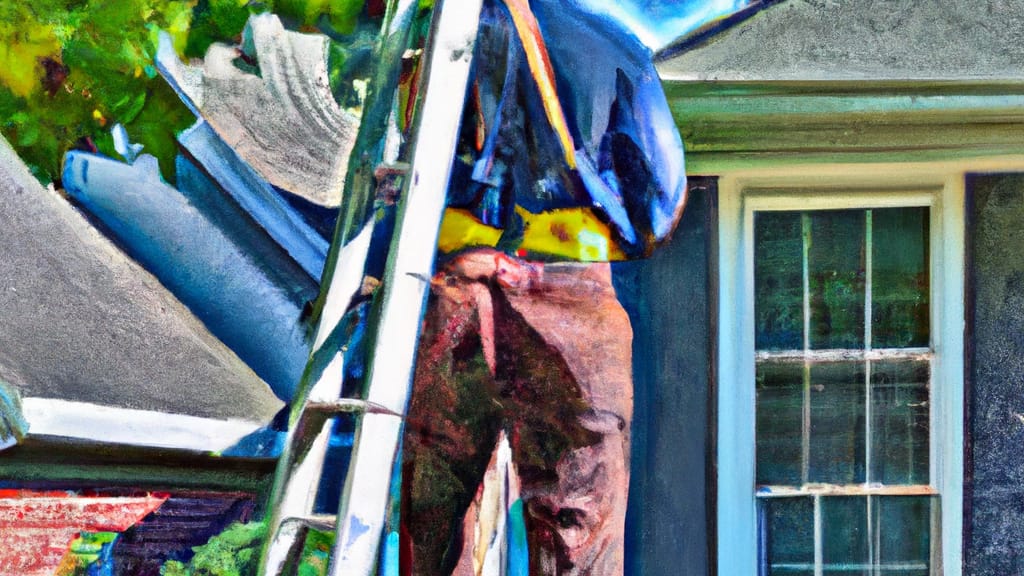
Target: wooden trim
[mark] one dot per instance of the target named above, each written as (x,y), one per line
(736,511)
(948,272)
(710,184)
(844,88)
(55,463)
(970,310)
(834,185)
(764,491)
(836,355)
(734,125)
(86,422)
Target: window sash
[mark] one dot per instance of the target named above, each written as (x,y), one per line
(829,187)
(844,354)
(765,491)
(865,543)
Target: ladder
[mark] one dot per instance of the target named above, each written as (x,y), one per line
(421,167)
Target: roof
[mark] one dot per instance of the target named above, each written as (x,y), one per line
(863,39)
(204,248)
(82,323)
(283,121)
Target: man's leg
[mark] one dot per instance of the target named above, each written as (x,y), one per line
(576,512)
(562,355)
(546,352)
(451,426)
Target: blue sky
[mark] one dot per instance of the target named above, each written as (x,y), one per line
(659,22)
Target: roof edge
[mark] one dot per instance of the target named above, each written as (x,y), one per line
(94,423)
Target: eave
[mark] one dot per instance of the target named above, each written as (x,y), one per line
(52,462)
(727,126)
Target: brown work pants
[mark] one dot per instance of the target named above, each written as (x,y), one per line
(543,352)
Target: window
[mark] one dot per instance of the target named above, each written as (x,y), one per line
(840,395)
(842,379)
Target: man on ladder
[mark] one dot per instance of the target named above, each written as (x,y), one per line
(566,151)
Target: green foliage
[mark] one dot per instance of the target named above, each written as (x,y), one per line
(316,551)
(26,42)
(71,69)
(341,15)
(87,554)
(13,425)
(233,552)
(236,550)
(219,21)
(75,67)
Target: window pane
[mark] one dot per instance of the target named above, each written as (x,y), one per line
(899,422)
(843,422)
(780,397)
(838,450)
(844,535)
(899,277)
(778,284)
(836,267)
(903,528)
(787,529)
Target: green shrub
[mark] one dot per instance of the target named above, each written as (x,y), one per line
(233,552)
(71,69)
(236,552)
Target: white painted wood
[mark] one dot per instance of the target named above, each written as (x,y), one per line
(298,495)
(284,537)
(107,424)
(912,174)
(841,354)
(856,568)
(938,186)
(845,490)
(948,250)
(364,501)
(818,540)
(346,280)
(737,512)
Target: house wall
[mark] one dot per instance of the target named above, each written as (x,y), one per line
(669,298)
(994,405)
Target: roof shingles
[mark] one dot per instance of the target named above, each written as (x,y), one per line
(81,321)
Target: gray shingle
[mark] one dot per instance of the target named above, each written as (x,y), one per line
(81,321)
(864,39)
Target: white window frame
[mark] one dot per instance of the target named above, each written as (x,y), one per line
(834,187)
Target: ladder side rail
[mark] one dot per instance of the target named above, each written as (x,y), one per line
(298,473)
(378,119)
(410,266)
(302,460)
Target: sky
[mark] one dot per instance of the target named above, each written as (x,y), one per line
(658,22)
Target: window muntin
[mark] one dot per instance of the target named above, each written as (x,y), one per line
(843,371)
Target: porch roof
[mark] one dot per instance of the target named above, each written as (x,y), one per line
(85,326)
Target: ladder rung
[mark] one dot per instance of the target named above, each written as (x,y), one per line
(347,406)
(322,522)
(400,168)
(315,414)
(286,547)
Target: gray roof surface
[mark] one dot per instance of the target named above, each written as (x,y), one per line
(81,321)
(864,39)
(283,122)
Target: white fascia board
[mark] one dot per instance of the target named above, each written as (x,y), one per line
(95,423)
